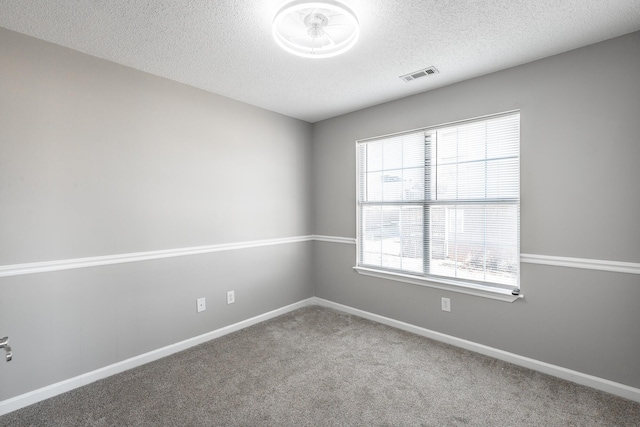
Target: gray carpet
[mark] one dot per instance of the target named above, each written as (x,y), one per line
(320,367)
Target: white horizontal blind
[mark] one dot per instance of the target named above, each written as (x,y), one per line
(443,202)
(392,192)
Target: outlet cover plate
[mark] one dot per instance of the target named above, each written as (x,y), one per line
(446,304)
(201,304)
(231,297)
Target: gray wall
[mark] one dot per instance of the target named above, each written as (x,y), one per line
(99,159)
(580,127)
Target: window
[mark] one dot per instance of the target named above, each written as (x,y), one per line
(442,204)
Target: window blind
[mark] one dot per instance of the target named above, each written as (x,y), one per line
(443,201)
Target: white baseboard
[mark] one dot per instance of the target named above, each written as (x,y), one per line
(597,383)
(52,390)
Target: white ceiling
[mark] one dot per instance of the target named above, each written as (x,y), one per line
(225,46)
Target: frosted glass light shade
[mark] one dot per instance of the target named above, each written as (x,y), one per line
(315,29)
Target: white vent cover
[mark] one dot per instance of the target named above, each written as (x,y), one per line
(420,73)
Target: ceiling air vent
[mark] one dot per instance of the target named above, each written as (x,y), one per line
(420,73)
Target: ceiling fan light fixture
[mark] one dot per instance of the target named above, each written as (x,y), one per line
(320,29)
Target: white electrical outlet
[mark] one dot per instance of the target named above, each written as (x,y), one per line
(231,297)
(201,304)
(446,304)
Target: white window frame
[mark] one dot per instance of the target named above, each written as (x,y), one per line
(437,282)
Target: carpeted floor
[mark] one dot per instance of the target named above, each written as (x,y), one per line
(319,367)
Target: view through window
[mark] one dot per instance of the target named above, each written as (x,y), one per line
(443,202)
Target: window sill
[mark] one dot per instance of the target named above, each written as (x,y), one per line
(447,285)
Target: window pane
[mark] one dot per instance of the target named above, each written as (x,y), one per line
(392,237)
(446,182)
(411,229)
(392,185)
(392,153)
(503,179)
(447,143)
(471,181)
(374,186)
(478,160)
(413,150)
(413,184)
(361,154)
(475,242)
(374,156)
(392,169)
(371,235)
(438,240)
(472,142)
(504,136)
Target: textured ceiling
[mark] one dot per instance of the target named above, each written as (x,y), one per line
(225,46)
